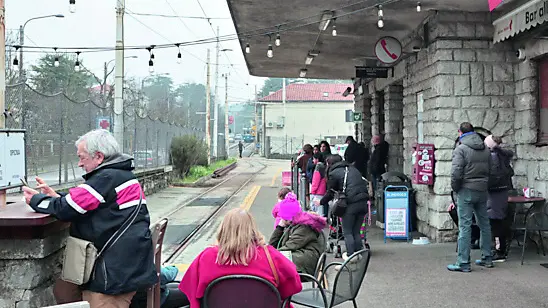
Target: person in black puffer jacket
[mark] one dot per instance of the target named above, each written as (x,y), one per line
(356,198)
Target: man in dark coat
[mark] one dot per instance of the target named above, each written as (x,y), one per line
(379,159)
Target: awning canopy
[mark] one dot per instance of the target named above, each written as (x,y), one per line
(521,19)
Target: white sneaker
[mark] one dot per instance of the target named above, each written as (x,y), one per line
(345,256)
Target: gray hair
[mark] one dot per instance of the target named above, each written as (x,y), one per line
(100,140)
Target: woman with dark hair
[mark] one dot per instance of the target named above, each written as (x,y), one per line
(325,148)
(344,176)
(303,160)
(310,165)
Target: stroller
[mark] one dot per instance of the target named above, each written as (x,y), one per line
(336,233)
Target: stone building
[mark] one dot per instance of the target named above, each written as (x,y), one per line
(459,63)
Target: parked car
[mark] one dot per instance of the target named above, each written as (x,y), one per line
(248,138)
(143,159)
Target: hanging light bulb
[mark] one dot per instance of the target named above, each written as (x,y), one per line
(303,72)
(151,66)
(380,23)
(15,63)
(152,55)
(334,32)
(247,48)
(278,41)
(270,52)
(56,62)
(72,6)
(419,8)
(179,55)
(77,63)
(380,13)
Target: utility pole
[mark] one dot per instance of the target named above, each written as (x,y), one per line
(22,76)
(2,83)
(227,141)
(215,102)
(256,120)
(208,110)
(119,78)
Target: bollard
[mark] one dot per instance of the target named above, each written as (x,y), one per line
(302,191)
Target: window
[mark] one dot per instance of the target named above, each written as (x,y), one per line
(420,119)
(543,102)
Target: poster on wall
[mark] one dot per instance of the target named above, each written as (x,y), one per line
(396,216)
(12,158)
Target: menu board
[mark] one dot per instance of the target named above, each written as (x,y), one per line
(396,217)
(12,157)
(424,164)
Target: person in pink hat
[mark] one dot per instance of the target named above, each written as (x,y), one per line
(299,234)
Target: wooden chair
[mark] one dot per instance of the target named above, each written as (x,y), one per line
(158,232)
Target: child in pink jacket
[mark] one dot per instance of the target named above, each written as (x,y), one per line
(281,196)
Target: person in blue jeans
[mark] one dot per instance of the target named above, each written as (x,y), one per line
(469,179)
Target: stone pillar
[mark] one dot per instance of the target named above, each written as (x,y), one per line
(362,103)
(375,127)
(31,251)
(393,109)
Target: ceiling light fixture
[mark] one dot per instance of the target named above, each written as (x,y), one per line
(278,41)
(303,72)
(380,13)
(380,23)
(326,19)
(72,6)
(334,32)
(419,8)
(309,59)
(247,48)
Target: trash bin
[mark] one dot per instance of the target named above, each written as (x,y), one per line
(395,179)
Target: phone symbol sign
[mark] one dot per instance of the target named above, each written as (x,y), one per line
(388,50)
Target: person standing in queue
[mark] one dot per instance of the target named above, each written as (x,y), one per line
(110,199)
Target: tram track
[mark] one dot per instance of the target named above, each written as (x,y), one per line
(242,179)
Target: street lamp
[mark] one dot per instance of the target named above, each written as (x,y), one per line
(21,68)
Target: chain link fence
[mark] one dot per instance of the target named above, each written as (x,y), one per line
(285,146)
(55,121)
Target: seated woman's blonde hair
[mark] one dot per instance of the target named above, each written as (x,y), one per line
(238,238)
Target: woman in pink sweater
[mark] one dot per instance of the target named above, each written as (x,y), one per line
(240,249)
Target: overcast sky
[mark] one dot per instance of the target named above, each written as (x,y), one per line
(94,24)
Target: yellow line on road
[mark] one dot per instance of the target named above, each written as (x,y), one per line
(275,177)
(250,198)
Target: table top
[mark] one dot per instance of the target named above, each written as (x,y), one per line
(19,213)
(522,199)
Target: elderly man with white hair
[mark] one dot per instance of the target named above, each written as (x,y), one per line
(109,211)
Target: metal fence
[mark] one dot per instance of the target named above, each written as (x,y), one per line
(54,122)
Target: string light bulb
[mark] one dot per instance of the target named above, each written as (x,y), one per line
(419,8)
(15,60)
(77,63)
(380,13)
(56,60)
(380,23)
(150,66)
(303,72)
(179,55)
(247,48)
(278,41)
(270,52)
(334,32)
(72,6)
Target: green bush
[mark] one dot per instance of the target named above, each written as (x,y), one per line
(187,151)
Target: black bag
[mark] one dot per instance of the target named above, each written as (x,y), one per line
(340,205)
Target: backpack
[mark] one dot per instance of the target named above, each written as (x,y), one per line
(500,172)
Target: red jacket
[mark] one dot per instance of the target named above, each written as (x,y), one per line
(204,270)
(319,183)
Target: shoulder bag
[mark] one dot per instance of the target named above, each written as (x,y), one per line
(272,266)
(80,255)
(340,205)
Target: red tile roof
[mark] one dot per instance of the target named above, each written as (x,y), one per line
(311,92)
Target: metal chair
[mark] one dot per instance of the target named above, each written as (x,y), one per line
(535,222)
(235,291)
(158,232)
(346,285)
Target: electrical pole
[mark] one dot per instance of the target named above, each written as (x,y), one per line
(256,121)
(119,78)
(22,76)
(2,83)
(215,102)
(208,110)
(227,141)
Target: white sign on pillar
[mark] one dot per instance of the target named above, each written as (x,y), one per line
(388,50)
(12,158)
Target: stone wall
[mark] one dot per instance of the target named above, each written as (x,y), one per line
(462,77)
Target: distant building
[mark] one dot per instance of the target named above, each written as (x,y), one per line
(312,112)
